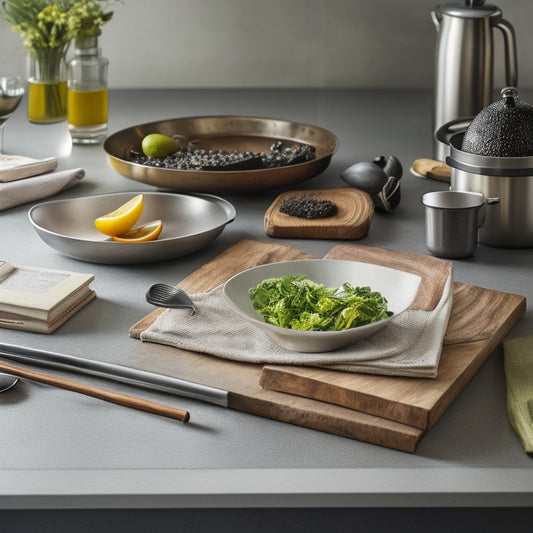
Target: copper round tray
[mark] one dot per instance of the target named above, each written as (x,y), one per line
(229,133)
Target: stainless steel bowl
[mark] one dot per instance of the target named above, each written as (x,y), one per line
(223,133)
(190,222)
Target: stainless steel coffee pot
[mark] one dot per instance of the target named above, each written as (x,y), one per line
(463,81)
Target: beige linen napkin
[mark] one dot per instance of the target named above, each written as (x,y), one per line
(518,358)
(410,345)
(37,187)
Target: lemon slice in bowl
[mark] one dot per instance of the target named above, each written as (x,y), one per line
(122,219)
(148,232)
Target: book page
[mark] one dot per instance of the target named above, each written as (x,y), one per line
(8,161)
(32,281)
(39,292)
(15,167)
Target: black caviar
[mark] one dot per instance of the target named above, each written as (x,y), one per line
(306,207)
(192,158)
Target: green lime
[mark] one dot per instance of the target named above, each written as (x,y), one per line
(157,145)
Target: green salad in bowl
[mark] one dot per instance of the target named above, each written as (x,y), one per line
(297,302)
(320,305)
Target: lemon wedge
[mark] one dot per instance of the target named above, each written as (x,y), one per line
(121,220)
(148,232)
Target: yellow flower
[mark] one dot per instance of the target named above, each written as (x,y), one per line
(87,18)
(53,24)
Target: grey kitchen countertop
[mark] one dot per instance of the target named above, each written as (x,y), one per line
(64,450)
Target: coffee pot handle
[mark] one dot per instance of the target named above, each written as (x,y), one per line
(511,63)
(436,20)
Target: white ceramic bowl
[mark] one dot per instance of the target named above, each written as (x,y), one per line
(398,287)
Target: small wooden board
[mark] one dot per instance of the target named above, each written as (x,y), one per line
(352,220)
(429,168)
(395,400)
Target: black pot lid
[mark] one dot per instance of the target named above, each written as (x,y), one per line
(502,129)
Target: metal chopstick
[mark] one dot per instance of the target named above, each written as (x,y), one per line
(124,374)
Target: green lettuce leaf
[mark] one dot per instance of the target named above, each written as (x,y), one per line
(296,302)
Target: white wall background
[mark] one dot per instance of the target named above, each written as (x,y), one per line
(278,43)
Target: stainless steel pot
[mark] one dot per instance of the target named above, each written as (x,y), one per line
(508,224)
(444,135)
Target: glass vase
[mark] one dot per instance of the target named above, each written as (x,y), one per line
(47,87)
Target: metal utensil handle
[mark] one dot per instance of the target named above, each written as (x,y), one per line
(120,373)
(511,60)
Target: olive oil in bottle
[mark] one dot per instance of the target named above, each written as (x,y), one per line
(87,93)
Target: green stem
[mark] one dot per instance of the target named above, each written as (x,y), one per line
(48,63)
(49,73)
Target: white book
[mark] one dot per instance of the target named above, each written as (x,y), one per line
(41,299)
(16,167)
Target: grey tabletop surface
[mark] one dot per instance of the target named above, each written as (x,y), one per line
(62,449)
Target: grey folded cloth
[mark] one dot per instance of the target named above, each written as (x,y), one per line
(38,187)
(410,345)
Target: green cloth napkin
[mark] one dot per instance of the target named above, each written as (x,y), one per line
(518,356)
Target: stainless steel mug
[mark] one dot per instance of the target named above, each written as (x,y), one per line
(463,75)
(452,222)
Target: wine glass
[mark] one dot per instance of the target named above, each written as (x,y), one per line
(11,93)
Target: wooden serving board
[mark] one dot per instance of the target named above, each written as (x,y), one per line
(475,322)
(391,412)
(352,220)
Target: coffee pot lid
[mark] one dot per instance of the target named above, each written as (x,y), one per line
(469,9)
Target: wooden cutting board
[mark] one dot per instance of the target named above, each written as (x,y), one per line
(372,417)
(418,402)
(352,220)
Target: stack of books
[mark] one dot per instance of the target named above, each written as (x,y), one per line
(40,299)
(16,167)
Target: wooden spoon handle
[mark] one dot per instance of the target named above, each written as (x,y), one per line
(108,396)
